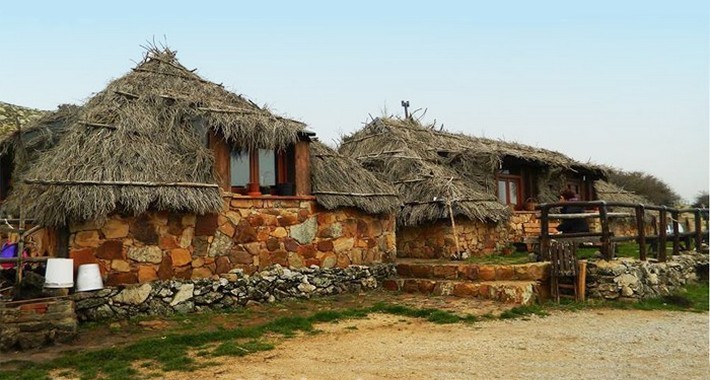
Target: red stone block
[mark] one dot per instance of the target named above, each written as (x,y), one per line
(167,242)
(288,219)
(390,285)
(83,256)
(165,270)
(410,286)
(279,257)
(426,287)
(206,225)
(306,251)
(244,233)
(110,250)
(114,279)
(421,270)
(273,244)
(486,273)
(290,244)
(449,272)
(404,270)
(222,265)
(325,245)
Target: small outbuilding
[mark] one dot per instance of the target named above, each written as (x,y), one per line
(462,193)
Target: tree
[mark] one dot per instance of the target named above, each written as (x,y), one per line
(702,199)
(646,185)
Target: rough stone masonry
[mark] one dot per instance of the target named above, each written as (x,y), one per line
(232,289)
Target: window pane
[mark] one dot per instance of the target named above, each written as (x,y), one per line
(239,168)
(501,192)
(513,192)
(267,167)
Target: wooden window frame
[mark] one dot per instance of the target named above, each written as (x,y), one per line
(507,178)
(291,166)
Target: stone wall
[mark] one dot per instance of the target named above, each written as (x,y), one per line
(436,240)
(232,289)
(627,278)
(32,324)
(250,234)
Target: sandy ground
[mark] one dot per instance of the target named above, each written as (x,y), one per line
(593,344)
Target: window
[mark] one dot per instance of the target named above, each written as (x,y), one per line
(261,171)
(509,190)
(239,169)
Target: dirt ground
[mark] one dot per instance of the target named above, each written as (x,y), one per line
(591,344)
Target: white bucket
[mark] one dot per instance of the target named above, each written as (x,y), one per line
(59,274)
(89,278)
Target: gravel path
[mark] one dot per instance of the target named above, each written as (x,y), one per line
(596,344)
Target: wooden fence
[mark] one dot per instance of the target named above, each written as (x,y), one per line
(606,211)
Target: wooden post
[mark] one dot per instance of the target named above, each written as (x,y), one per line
(253,187)
(662,234)
(453,227)
(582,281)
(698,229)
(605,239)
(222,159)
(641,228)
(676,232)
(544,233)
(303,168)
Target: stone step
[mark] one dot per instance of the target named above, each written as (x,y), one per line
(514,292)
(472,272)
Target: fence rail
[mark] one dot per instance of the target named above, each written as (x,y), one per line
(603,211)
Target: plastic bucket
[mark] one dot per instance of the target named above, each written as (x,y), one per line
(59,274)
(89,278)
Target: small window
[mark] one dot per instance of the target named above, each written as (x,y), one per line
(509,190)
(267,167)
(239,168)
(265,171)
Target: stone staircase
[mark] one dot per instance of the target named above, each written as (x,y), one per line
(521,284)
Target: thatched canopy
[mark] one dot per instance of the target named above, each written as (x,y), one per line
(430,167)
(607,191)
(404,153)
(140,144)
(339,181)
(11,115)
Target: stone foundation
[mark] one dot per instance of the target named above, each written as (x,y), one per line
(32,324)
(436,240)
(627,278)
(250,234)
(229,290)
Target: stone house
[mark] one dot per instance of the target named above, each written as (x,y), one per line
(164,174)
(487,185)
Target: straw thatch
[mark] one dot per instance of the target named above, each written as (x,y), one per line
(140,144)
(610,192)
(339,181)
(430,167)
(11,115)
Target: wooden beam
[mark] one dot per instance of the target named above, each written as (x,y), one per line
(222,158)
(303,168)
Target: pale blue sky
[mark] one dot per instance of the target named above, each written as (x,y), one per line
(621,83)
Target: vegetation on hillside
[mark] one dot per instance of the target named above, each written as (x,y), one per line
(646,185)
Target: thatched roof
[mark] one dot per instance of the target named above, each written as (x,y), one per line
(339,181)
(11,114)
(139,145)
(405,154)
(607,191)
(429,166)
